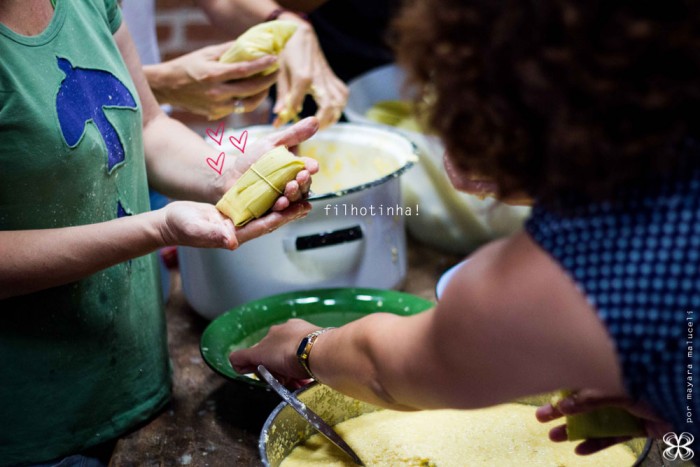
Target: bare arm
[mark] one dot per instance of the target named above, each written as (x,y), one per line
(235,16)
(38,259)
(175,155)
(510,324)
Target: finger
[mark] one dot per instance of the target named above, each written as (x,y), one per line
(282,92)
(217,50)
(286,115)
(241,88)
(237,105)
(297,188)
(271,222)
(292,191)
(219,72)
(230,241)
(304,181)
(589,399)
(295,134)
(300,383)
(591,446)
(310,164)
(284,201)
(243,370)
(281,203)
(331,102)
(558,434)
(299,89)
(241,360)
(547,413)
(328,115)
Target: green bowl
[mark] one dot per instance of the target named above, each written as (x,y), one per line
(245,325)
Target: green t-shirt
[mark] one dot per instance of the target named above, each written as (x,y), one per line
(84,362)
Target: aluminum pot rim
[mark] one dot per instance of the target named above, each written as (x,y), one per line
(262,440)
(410,161)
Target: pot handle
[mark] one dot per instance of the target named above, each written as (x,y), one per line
(323,239)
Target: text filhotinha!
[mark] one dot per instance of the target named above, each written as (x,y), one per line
(346,209)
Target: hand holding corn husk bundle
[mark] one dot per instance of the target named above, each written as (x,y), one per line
(259,187)
(267,38)
(603,422)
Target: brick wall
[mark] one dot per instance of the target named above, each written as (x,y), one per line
(182,27)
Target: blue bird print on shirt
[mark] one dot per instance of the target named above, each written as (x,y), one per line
(82,97)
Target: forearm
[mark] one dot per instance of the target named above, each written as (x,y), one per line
(38,259)
(176,162)
(157,77)
(366,360)
(235,16)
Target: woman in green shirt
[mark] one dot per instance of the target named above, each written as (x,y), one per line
(83,354)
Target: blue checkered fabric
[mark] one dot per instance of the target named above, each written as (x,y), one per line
(637,259)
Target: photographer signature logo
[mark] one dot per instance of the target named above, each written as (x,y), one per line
(678,446)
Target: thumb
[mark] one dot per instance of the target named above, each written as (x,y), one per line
(228,235)
(296,133)
(218,50)
(240,359)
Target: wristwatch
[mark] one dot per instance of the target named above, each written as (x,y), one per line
(304,350)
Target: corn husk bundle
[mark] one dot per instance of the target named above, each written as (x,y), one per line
(604,422)
(263,39)
(259,187)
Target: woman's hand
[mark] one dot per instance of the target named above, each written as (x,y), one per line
(587,400)
(277,352)
(304,70)
(200,84)
(199,225)
(298,188)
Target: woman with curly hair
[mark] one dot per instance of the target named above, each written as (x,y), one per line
(589,108)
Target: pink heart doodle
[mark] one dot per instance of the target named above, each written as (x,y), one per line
(213,134)
(239,143)
(217,165)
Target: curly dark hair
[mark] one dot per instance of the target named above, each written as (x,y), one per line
(554,96)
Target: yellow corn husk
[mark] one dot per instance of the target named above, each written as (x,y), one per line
(251,196)
(600,423)
(267,38)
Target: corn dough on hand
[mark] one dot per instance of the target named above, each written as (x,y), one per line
(605,422)
(263,39)
(259,187)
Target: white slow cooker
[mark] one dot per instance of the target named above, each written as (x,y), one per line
(353,237)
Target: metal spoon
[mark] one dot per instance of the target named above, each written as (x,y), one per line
(308,414)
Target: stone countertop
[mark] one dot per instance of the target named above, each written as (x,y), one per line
(211,421)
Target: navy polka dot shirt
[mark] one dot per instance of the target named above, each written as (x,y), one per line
(637,260)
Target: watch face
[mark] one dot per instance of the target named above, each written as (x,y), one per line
(302,346)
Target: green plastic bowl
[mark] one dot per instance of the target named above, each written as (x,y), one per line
(245,325)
